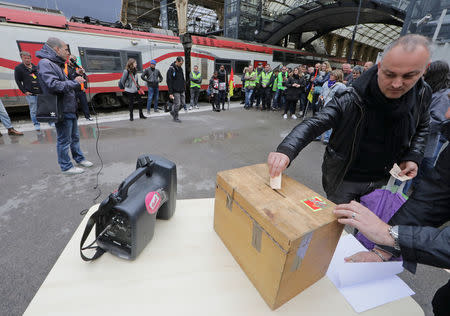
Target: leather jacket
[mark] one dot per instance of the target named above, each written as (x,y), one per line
(345,115)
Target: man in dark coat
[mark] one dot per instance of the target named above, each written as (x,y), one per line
(177,87)
(383,119)
(53,80)
(26,78)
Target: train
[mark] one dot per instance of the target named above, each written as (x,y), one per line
(103,50)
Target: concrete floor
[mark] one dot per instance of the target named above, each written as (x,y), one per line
(40,207)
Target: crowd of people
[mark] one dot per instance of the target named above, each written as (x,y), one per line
(303,87)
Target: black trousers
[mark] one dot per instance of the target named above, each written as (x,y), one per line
(350,190)
(266,97)
(290,106)
(134,98)
(441,301)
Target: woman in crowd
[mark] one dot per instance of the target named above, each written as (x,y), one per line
(356,72)
(214,91)
(329,88)
(131,83)
(321,78)
(295,84)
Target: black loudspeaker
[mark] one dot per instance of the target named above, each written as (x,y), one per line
(125,221)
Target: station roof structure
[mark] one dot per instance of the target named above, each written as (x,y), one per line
(380,20)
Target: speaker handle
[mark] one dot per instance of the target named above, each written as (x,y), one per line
(146,169)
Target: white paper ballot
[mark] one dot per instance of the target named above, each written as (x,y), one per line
(365,285)
(275,182)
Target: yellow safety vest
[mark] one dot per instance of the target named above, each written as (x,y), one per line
(195,76)
(265,78)
(248,82)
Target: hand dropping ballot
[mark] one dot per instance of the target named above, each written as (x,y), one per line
(395,171)
(275,182)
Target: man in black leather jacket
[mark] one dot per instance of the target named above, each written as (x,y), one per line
(381,120)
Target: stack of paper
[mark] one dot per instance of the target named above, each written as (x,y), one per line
(365,285)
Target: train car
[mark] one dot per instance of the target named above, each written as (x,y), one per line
(104,50)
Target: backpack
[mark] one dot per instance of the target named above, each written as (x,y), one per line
(120,84)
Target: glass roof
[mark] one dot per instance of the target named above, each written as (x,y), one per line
(375,35)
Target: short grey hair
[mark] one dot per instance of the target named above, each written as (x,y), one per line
(24,53)
(54,42)
(409,43)
(358,68)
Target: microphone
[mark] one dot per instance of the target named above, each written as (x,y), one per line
(74,62)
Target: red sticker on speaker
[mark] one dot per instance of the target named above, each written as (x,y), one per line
(152,202)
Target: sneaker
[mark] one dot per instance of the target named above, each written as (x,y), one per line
(285,116)
(190,108)
(300,113)
(148,112)
(73,170)
(51,124)
(89,118)
(156,111)
(177,120)
(12,131)
(86,163)
(185,110)
(197,107)
(294,117)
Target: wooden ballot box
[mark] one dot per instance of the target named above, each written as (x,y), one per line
(283,239)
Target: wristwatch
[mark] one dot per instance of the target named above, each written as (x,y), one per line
(393,231)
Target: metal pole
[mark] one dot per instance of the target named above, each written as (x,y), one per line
(438,27)
(350,53)
(407,22)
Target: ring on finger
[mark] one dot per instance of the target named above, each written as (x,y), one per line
(353,215)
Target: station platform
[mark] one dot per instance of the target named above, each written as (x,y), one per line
(40,207)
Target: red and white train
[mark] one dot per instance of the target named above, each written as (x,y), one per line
(103,52)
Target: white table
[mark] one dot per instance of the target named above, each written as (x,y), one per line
(185,270)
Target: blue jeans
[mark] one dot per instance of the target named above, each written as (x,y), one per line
(32,103)
(248,95)
(67,136)
(4,117)
(153,94)
(275,99)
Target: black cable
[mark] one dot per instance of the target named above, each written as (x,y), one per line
(96,187)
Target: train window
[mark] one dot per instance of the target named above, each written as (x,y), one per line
(290,58)
(204,69)
(239,66)
(278,56)
(98,60)
(223,62)
(137,57)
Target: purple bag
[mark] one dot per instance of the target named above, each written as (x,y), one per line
(384,203)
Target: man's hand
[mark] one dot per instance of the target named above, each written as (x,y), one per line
(360,217)
(28,93)
(364,256)
(277,162)
(409,169)
(80,71)
(79,79)
(171,96)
